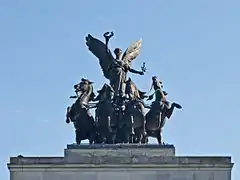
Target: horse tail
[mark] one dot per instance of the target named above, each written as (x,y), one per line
(67,115)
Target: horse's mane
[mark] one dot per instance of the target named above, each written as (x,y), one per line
(89,93)
(92,96)
(106,89)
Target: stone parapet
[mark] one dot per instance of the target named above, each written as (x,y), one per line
(130,162)
(121,154)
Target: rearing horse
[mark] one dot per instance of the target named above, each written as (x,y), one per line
(79,114)
(160,110)
(135,111)
(123,126)
(104,114)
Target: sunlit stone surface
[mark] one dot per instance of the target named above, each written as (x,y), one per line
(120,162)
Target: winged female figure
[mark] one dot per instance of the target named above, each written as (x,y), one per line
(115,69)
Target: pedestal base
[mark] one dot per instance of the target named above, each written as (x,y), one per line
(120,162)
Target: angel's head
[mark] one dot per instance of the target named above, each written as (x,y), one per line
(118,53)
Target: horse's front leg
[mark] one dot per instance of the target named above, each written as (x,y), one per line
(78,137)
(159,136)
(144,139)
(109,124)
(132,122)
(162,123)
(132,134)
(110,137)
(144,133)
(91,141)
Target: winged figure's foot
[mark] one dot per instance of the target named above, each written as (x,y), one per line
(176,105)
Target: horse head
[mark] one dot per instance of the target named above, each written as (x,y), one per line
(85,88)
(105,93)
(156,83)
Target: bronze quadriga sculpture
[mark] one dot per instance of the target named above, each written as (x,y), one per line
(120,115)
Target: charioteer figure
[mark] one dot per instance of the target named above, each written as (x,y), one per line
(104,96)
(134,94)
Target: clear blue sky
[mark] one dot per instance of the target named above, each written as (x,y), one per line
(193,46)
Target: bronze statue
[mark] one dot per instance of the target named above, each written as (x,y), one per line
(135,110)
(160,109)
(124,129)
(104,112)
(115,69)
(79,113)
(120,108)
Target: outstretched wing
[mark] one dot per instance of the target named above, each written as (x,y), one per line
(132,51)
(99,49)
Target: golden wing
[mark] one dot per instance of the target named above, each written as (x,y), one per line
(132,52)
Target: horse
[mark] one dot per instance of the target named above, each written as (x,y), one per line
(79,113)
(104,115)
(135,111)
(156,117)
(123,127)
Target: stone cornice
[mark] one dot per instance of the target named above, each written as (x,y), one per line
(118,158)
(120,146)
(117,167)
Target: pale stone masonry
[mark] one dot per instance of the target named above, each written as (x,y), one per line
(120,162)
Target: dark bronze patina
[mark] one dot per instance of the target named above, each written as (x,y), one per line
(119,106)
